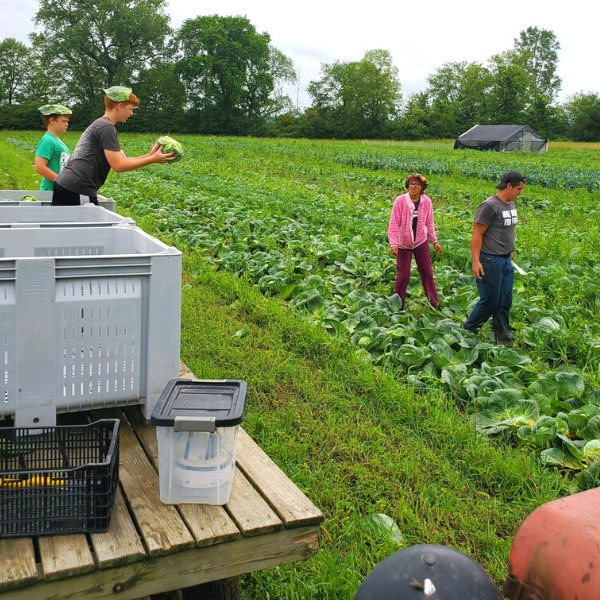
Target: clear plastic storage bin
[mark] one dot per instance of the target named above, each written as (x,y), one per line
(44,198)
(23,214)
(89,318)
(197,423)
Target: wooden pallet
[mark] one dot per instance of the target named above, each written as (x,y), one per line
(153,547)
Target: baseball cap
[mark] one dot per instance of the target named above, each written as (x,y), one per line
(512,177)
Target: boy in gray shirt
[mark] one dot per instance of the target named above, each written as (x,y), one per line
(492,246)
(98,151)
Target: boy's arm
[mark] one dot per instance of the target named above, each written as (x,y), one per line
(121,164)
(41,167)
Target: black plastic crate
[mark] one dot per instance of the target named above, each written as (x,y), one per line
(58,480)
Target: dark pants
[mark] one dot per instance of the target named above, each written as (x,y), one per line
(423,260)
(495,297)
(63,197)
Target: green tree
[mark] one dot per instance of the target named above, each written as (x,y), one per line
(100,44)
(583,114)
(15,65)
(459,94)
(508,92)
(359,98)
(538,55)
(416,117)
(283,71)
(230,71)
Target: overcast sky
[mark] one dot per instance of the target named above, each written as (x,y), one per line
(420,35)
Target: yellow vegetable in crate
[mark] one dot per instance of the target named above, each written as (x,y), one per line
(32,481)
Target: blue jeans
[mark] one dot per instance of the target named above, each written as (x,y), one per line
(495,297)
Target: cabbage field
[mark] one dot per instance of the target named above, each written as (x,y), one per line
(304,223)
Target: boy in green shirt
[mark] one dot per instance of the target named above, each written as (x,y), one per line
(52,153)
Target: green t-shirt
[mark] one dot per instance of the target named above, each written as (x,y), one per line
(57,154)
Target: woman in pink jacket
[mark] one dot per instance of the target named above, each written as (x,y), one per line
(411,228)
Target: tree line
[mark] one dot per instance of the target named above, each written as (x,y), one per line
(219,75)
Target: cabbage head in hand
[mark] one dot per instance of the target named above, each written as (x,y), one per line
(171,145)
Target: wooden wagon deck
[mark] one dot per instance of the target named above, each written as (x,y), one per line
(152,547)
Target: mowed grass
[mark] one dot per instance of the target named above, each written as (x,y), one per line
(355,439)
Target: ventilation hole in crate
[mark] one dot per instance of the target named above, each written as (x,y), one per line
(124,366)
(64,391)
(5,377)
(132,383)
(64,371)
(5,396)
(6,357)
(133,365)
(117,330)
(124,387)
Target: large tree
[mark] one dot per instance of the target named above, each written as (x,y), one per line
(100,44)
(537,51)
(359,97)
(230,71)
(15,66)
(459,93)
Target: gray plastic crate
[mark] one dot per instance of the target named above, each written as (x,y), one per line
(89,318)
(45,198)
(89,215)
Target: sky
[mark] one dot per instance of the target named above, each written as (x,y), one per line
(421,36)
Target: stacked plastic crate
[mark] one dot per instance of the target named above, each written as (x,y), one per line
(90,312)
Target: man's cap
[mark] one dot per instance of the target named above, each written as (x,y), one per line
(118,93)
(54,109)
(512,177)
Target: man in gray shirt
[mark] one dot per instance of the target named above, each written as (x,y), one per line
(98,150)
(492,246)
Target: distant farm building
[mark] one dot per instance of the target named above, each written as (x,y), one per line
(501,138)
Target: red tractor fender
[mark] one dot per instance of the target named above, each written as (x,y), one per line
(556,552)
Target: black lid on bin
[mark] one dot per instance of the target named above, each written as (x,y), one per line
(220,401)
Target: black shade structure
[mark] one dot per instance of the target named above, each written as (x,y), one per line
(502,138)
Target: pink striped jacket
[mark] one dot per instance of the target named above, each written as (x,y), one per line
(400,231)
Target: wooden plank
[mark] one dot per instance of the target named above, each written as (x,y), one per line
(160,525)
(65,556)
(184,372)
(287,500)
(121,543)
(180,570)
(249,510)
(208,524)
(18,563)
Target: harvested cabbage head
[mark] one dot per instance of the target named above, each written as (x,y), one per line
(171,145)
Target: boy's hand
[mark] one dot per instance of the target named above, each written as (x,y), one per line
(160,157)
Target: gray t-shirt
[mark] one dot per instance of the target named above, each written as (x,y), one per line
(87,169)
(501,218)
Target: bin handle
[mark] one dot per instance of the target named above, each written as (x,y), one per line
(195,424)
